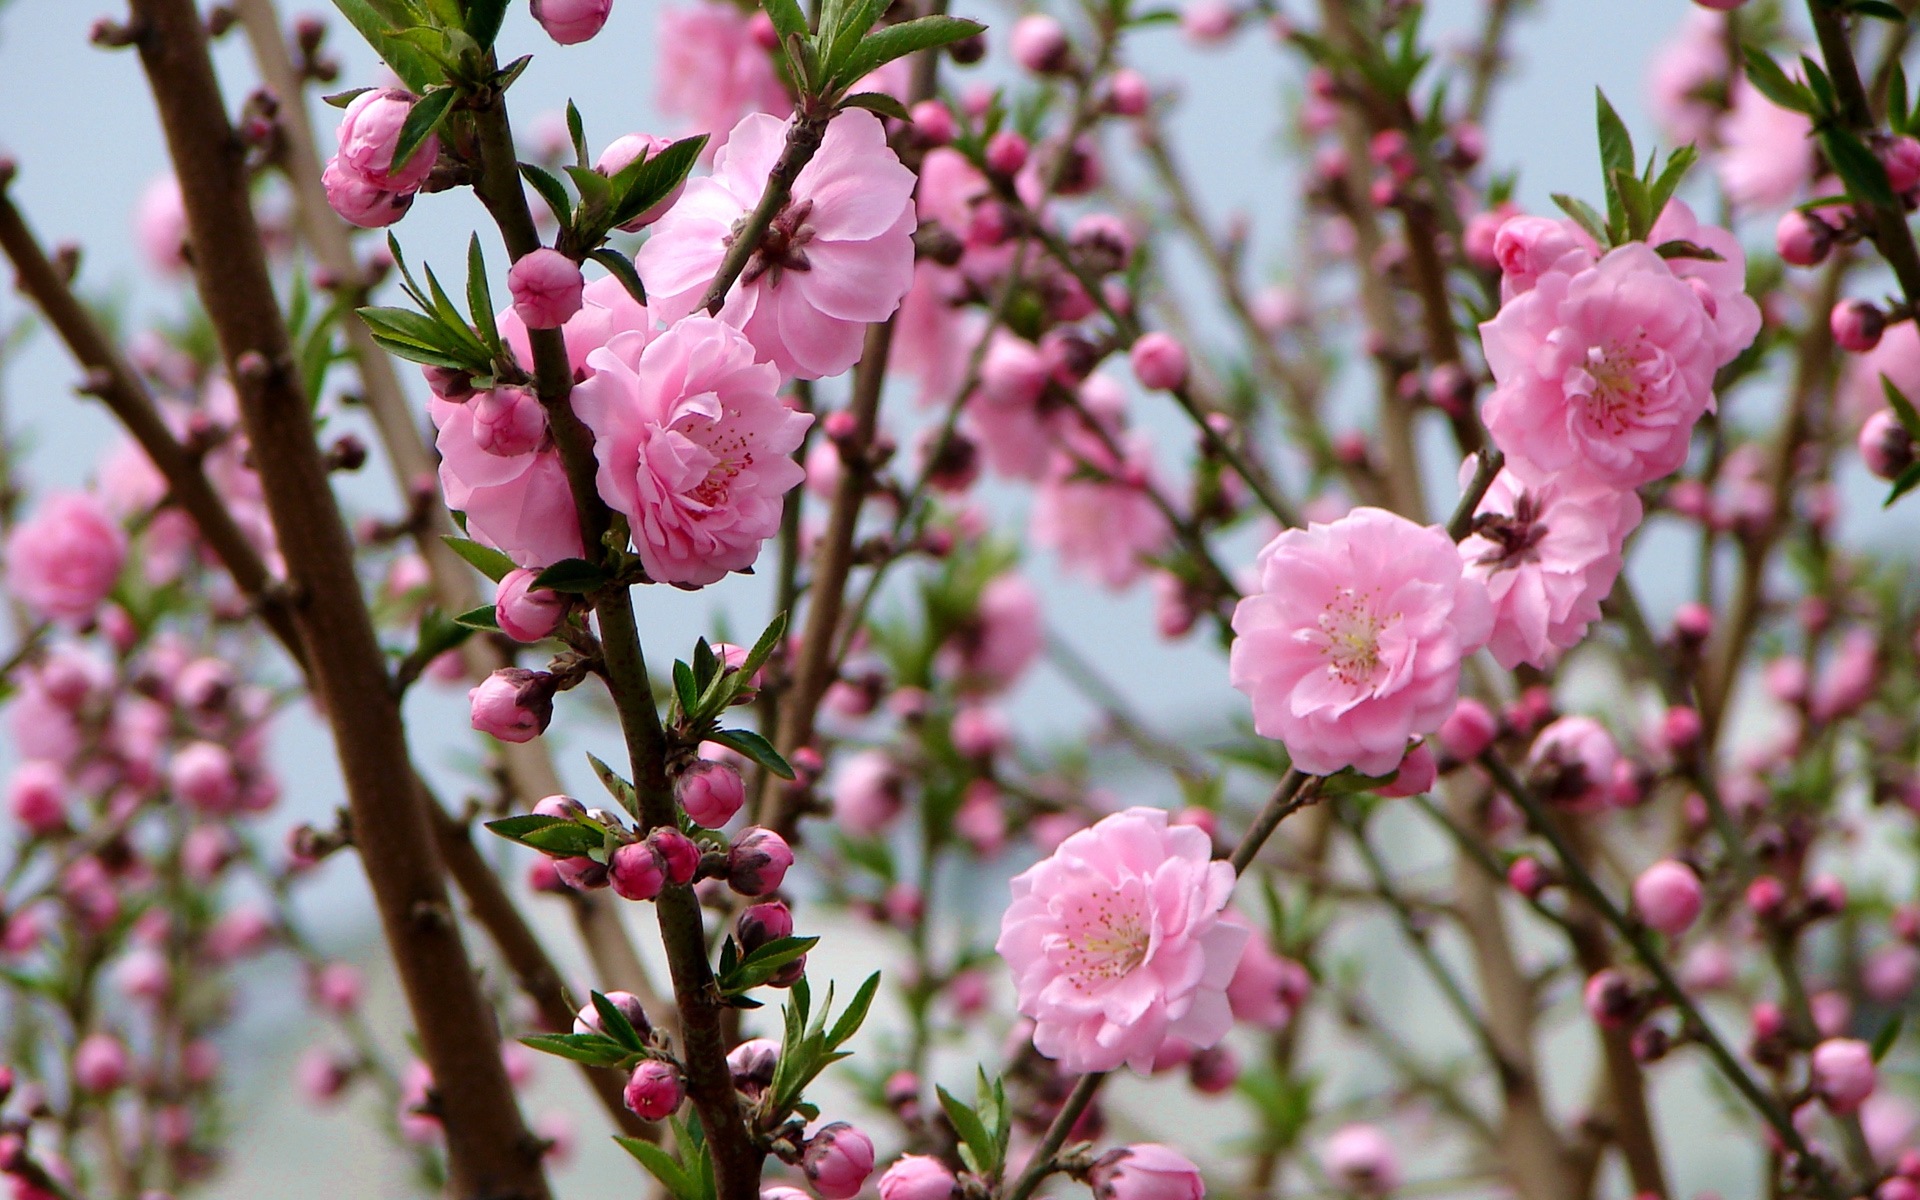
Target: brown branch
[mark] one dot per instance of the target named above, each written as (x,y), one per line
(490,1152)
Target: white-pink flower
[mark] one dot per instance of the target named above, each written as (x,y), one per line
(837,257)
(64,559)
(1116,943)
(1549,554)
(695,446)
(1352,644)
(1602,373)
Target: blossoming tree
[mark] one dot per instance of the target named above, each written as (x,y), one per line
(1526,851)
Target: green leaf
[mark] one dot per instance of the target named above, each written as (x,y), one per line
(788,20)
(415,68)
(485,559)
(483,20)
(455,322)
(1773,83)
(898,41)
(1584,216)
(343,99)
(972,1130)
(856,1013)
(661,1166)
(878,102)
(764,648)
(422,119)
(1616,155)
(590,1048)
(594,188)
(617,787)
(422,333)
(615,1025)
(1678,163)
(1681,248)
(555,835)
(437,634)
(1899,113)
(1902,407)
(1878,8)
(1908,480)
(1630,196)
(551,190)
(620,267)
(855,20)
(575,575)
(763,964)
(755,747)
(577,134)
(480,296)
(1860,168)
(479,618)
(1888,1035)
(647,181)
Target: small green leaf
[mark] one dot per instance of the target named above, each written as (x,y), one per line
(1678,163)
(589,1048)
(485,559)
(1773,83)
(594,188)
(415,68)
(620,267)
(646,182)
(1585,217)
(855,1014)
(898,41)
(754,747)
(551,190)
(1901,406)
(788,20)
(617,787)
(615,1025)
(764,963)
(575,575)
(1616,155)
(1888,1035)
(343,99)
(1909,479)
(480,296)
(422,119)
(1860,168)
(483,618)
(552,835)
(878,102)
(972,1130)
(1681,248)
(662,1167)
(483,20)
(764,648)
(1878,8)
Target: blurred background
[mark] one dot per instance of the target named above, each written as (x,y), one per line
(79,123)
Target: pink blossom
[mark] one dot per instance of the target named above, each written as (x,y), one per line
(571,22)
(1039,44)
(202,775)
(607,309)
(359,202)
(866,793)
(917,1177)
(655,1090)
(508,422)
(990,651)
(713,70)
(1897,357)
(1843,1073)
(695,447)
(1686,68)
(37,797)
(1548,555)
(1352,644)
(1011,414)
(1667,896)
(524,613)
(546,287)
(1720,284)
(839,255)
(63,559)
(1766,157)
(1848,680)
(1116,943)
(1575,762)
(512,704)
(520,504)
(1266,990)
(837,1161)
(160,226)
(1361,1159)
(100,1064)
(369,134)
(1105,527)
(1146,1171)
(1159,362)
(710,792)
(1527,247)
(1601,374)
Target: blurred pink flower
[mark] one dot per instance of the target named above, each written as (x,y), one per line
(1766,157)
(713,70)
(64,559)
(1095,512)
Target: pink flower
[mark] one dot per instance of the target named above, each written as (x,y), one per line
(359,202)
(1721,285)
(838,256)
(527,615)
(202,775)
(917,1177)
(1682,75)
(1668,895)
(695,447)
(1548,555)
(607,309)
(866,793)
(513,704)
(1362,1160)
(710,792)
(1600,374)
(713,70)
(1897,357)
(655,1090)
(508,422)
(1527,247)
(991,650)
(1352,644)
(637,871)
(1766,157)
(100,1064)
(1146,1171)
(1575,762)
(63,560)
(1266,990)
(571,22)
(1106,527)
(837,1161)
(1039,43)
(758,862)
(363,183)
(546,287)
(1159,362)
(37,797)
(160,226)
(1116,943)
(1843,1073)
(520,503)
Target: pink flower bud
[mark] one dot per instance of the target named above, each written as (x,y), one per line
(621,154)
(1610,1000)
(1127,93)
(917,1177)
(1802,239)
(1006,153)
(1208,22)
(587,1020)
(1668,896)
(1680,729)
(751,1064)
(547,288)
(1765,895)
(1901,156)
(336,987)
(369,134)
(526,614)
(570,22)
(1720,5)
(100,1064)
(1527,876)
(1843,1073)
(508,421)
(1039,44)
(637,871)
(932,122)
(1468,730)
(1826,896)
(322,1077)
(710,793)
(1416,774)
(448,384)
(1885,445)
(582,874)
(758,862)
(513,704)
(677,851)
(202,776)
(1857,325)
(979,731)
(837,1161)
(761,924)
(1159,362)
(655,1090)
(1103,242)
(37,797)
(1361,1159)
(1213,1071)
(1693,622)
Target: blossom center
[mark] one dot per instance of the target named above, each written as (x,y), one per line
(1611,384)
(783,246)
(1516,538)
(1350,636)
(1107,936)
